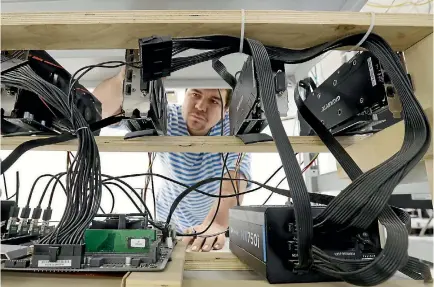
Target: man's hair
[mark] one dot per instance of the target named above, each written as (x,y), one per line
(228,96)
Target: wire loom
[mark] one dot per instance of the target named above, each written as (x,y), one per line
(365,199)
(357,206)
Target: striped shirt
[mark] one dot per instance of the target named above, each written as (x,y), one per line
(190,168)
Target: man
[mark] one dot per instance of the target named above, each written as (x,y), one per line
(199,115)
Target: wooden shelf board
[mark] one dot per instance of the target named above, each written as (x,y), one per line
(122,29)
(184,144)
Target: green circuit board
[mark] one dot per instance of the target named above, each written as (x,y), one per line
(119,240)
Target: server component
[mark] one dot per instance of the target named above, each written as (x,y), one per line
(119,243)
(354,99)
(264,238)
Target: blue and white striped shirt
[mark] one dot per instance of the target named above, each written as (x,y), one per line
(190,168)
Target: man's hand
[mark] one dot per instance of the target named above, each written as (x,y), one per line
(110,94)
(203,242)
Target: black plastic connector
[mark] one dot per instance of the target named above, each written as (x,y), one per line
(46,216)
(25,212)
(36,214)
(58,256)
(156,57)
(15,210)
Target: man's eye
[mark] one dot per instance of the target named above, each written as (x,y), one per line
(195,95)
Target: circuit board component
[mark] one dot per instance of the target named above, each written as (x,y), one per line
(119,240)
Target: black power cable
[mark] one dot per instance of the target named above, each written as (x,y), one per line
(6,186)
(357,206)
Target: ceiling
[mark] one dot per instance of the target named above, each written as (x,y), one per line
(201,75)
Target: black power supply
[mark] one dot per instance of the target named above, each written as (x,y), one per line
(264,238)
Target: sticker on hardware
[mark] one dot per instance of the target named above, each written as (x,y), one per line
(58,263)
(371,72)
(138,243)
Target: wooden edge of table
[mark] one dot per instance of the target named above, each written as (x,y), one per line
(283,28)
(183,144)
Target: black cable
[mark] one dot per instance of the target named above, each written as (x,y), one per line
(112,195)
(17,191)
(5,185)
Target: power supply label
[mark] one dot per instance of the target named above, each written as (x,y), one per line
(248,236)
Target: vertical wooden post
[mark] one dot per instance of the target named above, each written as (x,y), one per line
(429,174)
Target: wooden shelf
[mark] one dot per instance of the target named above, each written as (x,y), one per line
(184,144)
(122,29)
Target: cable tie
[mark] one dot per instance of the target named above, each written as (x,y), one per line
(243,21)
(81,128)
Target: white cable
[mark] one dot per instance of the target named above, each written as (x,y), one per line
(82,128)
(243,20)
(371,27)
(357,46)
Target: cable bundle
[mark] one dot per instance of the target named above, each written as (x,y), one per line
(358,206)
(83,183)
(362,202)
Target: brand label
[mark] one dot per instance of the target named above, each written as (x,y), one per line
(248,236)
(58,263)
(138,242)
(371,72)
(331,103)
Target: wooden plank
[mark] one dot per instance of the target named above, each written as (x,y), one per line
(122,29)
(184,144)
(210,261)
(379,147)
(25,279)
(430,175)
(171,277)
(419,61)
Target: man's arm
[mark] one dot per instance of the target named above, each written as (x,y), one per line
(222,217)
(221,222)
(109,93)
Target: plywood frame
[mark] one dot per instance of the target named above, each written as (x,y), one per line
(290,29)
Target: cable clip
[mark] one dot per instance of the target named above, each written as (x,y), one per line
(74,132)
(243,21)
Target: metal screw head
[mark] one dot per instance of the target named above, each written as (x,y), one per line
(354,62)
(133,89)
(318,95)
(339,112)
(335,82)
(361,100)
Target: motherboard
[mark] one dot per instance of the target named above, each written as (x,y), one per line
(117,244)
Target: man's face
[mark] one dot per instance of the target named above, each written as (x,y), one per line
(202,109)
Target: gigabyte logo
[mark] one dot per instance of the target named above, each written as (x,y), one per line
(331,103)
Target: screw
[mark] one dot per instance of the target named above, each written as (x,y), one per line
(339,112)
(354,62)
(361,100)
(319,95)
(335,82)
(133,90)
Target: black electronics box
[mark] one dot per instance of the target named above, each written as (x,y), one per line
(264,238)
(353,98)
(58,256)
